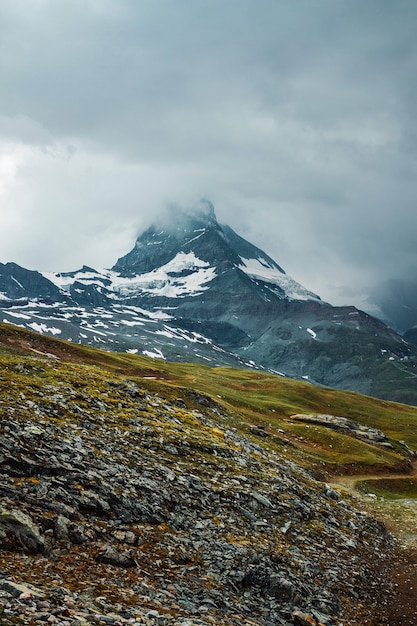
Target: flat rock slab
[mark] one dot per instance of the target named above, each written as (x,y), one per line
(17,590)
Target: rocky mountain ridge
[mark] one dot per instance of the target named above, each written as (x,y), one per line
(193,290)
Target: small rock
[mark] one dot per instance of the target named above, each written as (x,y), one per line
(61,527)
(322,618)
(280,588)
(113,557)
(32,431)
(302,619)
(40,617)
(284,529)
(260,498)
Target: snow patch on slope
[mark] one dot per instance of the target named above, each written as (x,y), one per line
(184,275)
(261,269)
(43,328)
(157,354)
(66,280)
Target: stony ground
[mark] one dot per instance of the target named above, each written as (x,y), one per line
(400,517)
(403,610)
(120,506)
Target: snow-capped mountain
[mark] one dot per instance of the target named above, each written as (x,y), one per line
(192,289)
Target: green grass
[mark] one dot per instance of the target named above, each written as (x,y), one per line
(247,397)
(390,488)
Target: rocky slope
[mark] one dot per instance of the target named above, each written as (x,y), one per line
(193,290)
(129,501)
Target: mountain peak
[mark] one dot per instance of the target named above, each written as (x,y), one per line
(173,232)
(193,289)
(177,217)
(194,236)
(206,209)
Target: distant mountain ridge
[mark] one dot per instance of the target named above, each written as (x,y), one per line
(194,290)
(395,302)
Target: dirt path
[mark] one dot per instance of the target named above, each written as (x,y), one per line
(349,480)
(400,517)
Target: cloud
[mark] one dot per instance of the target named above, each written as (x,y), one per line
(296,119)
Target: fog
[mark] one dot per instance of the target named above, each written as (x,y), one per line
(296,119)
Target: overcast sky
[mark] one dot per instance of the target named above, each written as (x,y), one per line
(296,118)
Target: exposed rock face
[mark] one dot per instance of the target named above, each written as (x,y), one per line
(193,290)
(411,335)
(18,283)
(371,435)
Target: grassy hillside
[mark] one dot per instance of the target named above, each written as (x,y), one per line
(144,492)
(252,398)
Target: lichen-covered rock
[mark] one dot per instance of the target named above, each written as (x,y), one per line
(20,531)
